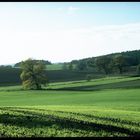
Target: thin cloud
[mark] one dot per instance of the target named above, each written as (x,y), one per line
(69,10)
(72,10)
(60,9)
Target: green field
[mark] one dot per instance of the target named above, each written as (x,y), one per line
(102,107)
(58,66)
(55,67)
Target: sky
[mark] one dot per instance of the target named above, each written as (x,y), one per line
(65,31)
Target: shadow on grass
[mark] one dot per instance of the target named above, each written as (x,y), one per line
(113,120)
(31,119)
(119,85)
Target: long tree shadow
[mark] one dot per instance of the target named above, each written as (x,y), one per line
(116,120)
(127,122)
(119,85)
(32,119)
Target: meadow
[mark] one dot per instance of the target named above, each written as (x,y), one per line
(102,107)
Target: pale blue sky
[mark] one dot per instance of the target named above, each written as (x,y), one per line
(63,31)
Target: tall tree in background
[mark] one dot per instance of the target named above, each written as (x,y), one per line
(33,74)
(82,65)
(70,66)
(103,63)
(119,62)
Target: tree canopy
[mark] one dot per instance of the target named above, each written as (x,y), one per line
(46,62)
(33,74)
(103,63)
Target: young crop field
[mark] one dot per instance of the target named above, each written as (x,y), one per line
(55,67)
(101,107)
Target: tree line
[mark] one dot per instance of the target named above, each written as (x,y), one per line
(112,63)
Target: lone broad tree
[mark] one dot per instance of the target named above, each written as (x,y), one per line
(33,74)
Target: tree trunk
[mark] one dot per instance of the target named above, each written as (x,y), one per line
(38,86)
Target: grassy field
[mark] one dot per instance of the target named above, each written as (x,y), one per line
(59,66)
(55,67)
(102,107)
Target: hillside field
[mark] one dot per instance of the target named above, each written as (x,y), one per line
(102,107)
(55,67)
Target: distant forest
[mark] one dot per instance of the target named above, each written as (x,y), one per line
(129,58)
(132,58)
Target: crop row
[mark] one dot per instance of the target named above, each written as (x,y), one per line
(33,122)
